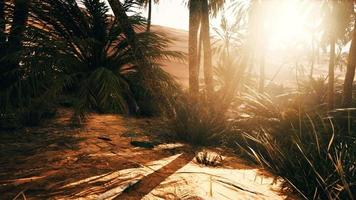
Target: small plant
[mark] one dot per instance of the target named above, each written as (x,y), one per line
(209,158)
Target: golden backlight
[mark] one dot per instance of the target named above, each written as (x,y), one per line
(290,22)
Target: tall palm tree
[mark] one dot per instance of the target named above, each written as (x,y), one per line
(337,15)
(350,72)
(199,13)
(331,73)
(331,35)
(148,3)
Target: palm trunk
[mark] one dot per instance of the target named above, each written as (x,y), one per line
(331,74)
(350,72)
(208,71)
(3,77)
(149,16)
(313,58)
(258,14)
(200,46)
(194,17)
(19,23)
(2,23)
(262,62)
(129,33)
(18,26)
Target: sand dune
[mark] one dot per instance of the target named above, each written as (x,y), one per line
(180,43)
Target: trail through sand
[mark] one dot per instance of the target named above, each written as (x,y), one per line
(97,161)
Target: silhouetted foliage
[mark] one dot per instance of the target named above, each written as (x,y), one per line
(86,55)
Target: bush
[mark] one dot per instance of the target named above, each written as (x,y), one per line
(312,152)
(198,121)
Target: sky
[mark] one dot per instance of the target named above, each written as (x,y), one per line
(170,13)
(175,14)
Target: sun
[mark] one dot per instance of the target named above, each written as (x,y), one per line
(289,22)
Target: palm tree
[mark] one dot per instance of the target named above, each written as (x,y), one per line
(337,22)
(331,74)
(350,72)
(101,60)
(148,3)
(199,12)
(253,11)
(331,35)
(230,67)
(313,29)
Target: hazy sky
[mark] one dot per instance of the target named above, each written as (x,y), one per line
(171,13)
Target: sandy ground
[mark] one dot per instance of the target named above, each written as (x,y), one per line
(97,161)
(42,159)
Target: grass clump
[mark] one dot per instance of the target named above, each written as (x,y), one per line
(198,121)
(312,152)
(208,158)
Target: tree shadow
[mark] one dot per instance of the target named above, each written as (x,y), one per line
(151,181)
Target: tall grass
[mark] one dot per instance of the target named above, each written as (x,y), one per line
(312,152)
(198,121)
